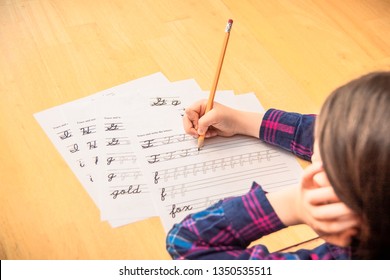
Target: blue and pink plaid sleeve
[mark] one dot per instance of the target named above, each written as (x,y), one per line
(290,131)
(224,230)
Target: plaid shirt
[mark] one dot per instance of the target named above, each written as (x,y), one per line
(226,229)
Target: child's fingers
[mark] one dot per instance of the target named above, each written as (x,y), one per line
(191,117)
(337,226)
(189,127)
(323,195)
(334,211)
(198,108)
(308,174)
(206,121)
(211,133)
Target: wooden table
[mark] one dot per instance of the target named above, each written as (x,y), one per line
(290,53)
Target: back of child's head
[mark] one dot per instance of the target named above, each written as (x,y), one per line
(354,139)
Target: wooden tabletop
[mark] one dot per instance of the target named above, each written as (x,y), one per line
(291,54)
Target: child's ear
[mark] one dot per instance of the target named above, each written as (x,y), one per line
(309,175)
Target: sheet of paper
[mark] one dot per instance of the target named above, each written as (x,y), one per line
(71,127)
(186,180)
(124,192)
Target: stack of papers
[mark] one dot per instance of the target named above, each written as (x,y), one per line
(128,148)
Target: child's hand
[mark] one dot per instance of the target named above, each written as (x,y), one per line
(218,121)
(323,211)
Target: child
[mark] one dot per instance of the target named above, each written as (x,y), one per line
(344,194)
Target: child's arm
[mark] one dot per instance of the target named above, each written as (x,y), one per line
(226,229)
(290,131)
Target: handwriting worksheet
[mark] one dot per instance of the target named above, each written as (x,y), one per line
(127,147)
(72,128)
(184,179)
(124,189)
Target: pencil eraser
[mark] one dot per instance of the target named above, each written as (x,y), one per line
(229,25)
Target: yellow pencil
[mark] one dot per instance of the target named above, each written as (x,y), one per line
(214,87)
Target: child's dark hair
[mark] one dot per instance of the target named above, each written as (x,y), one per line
(354,139)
